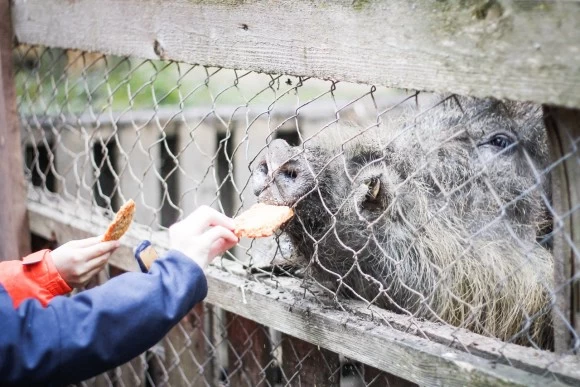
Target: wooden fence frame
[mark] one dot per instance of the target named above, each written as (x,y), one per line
(14,236)
(505,49)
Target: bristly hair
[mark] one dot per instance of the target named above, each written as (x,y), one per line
(451,234)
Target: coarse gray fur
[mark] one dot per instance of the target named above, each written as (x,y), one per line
(438,215)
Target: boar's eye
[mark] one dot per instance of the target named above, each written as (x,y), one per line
(501,141)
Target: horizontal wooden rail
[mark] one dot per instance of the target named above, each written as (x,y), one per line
(525,50)
(423,352)
(166,115)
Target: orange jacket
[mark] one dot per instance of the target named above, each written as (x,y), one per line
(33,277)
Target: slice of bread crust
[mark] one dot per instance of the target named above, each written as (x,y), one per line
(121,223)
(261,220)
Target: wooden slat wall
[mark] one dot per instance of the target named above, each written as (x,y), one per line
(76,176)
(186,357)
(249,352)
(138,165)
(305,364)
(197,146)
(564,131)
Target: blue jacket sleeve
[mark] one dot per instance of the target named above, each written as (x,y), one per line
(75,338)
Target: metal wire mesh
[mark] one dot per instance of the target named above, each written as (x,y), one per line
(437,208)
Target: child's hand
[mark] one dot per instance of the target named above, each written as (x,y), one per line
(78,261)
(203,235)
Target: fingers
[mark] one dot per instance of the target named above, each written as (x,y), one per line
(97,263)
(204,217)
(219,239)
(86,277)
(100,249)
(80,243)
(220,246)
(217,232)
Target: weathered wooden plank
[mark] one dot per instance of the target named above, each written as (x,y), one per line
(377,378)
(217,347)
(14,235)
(137,163)
(396,352)
(249,139)
(197,147)
(564,131)
(186,359)
(565,368)
(356,336)
(191,115)
(305,364)
(526,50)
(75,174)
(249,352)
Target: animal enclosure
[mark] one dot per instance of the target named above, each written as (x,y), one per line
(436,235)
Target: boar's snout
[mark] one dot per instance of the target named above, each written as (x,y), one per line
(282,176)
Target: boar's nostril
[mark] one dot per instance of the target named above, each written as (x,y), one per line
(290,173)
(263,168)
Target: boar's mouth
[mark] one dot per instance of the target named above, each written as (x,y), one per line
(282,176)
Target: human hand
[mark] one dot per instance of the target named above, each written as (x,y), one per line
(78,261)
(203,235)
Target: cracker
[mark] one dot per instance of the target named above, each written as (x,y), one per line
(261,220)
(121,223)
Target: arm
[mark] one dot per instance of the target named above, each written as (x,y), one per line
(78,337)
(45,274)
(34,277)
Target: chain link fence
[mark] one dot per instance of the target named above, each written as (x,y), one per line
(431,213)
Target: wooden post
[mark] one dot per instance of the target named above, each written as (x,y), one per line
(564,133)
(14,230)
(73,163)
(197,147)
(250,351)
(305,364)
(186,357)
(137,165)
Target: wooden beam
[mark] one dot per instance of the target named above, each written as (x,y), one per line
(305,364)
(564,132)
(399,353)
(249,352)
(186,358)
(377,378)
(14,235)
(526,50)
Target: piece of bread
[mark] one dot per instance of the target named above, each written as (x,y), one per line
(261,220)
(121,223)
